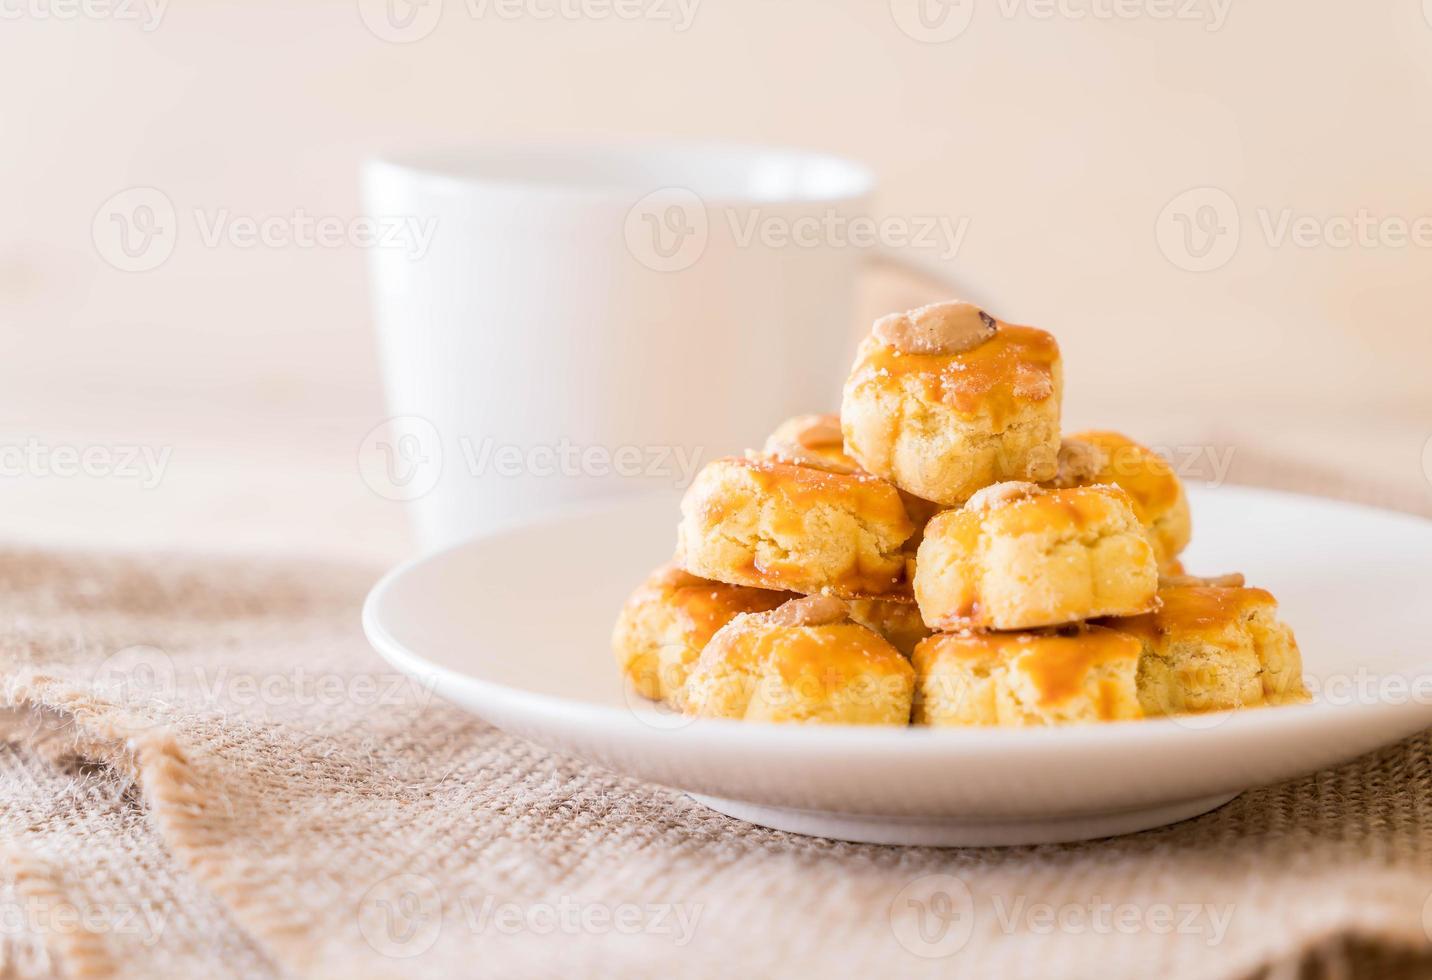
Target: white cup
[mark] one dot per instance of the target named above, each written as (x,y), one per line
(587,321)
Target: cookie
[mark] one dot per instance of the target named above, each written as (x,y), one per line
(802,662)
(771,524)
(1213,645)
(816,440)
(1159,502)
(1017,556)
(1026,679)
(667,622)
(945,399)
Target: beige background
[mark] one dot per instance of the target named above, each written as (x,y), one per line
(1062,140)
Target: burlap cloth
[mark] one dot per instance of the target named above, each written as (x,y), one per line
(209,773)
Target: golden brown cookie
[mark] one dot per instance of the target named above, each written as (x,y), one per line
(945,399)
(803,662)
(1026,679)
(669,619)
(1158,499)
(816,440)
(777,525)
(1210,647)
(1017,556)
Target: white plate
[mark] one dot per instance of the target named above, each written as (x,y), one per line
(515,627)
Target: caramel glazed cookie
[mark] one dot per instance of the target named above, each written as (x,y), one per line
(773,524)
(1018,556)
(1089,458)
(803,662)
(812,440)
(1212,645)
(816,440)
(946,399)
(668,621)
(1049,677)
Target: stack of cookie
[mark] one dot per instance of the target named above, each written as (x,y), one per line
(940,555)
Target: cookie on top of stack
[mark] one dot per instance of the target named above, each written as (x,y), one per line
(941,555)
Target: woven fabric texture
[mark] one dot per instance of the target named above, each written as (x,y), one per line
(208,772)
